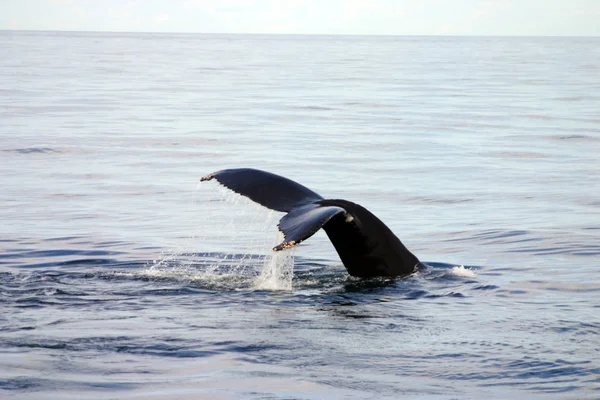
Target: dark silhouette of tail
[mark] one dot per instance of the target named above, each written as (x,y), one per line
(267,189)
(366,246)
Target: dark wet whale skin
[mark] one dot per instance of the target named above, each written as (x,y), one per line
(366,246)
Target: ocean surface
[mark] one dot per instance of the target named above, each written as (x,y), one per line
(123,277)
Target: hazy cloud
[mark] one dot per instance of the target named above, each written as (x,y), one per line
(422,17)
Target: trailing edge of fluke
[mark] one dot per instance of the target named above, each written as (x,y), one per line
(366,246)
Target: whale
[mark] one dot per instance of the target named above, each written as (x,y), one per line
(365,245)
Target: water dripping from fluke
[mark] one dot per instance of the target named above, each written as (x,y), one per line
(278,269)
(251,265)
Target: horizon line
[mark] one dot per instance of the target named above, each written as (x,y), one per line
(297,34)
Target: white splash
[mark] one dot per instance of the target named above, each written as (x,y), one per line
(278,269)
(463,272)
(246,261)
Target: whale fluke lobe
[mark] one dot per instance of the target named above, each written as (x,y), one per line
(303,222)
(366,246)
(267,189)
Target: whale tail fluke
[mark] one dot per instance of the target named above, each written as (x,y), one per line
(366,246)
(303,222)
(267,189)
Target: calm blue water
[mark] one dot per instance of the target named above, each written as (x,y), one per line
(122,277)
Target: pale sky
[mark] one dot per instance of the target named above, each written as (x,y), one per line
(379,17)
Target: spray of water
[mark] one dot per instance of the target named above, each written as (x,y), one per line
(248,263)
(463,272)
(278,269)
